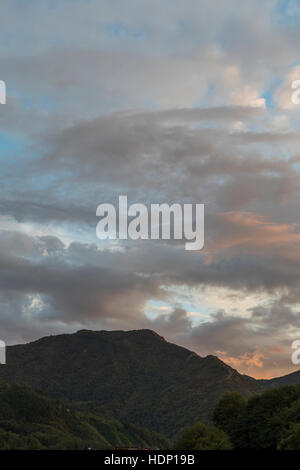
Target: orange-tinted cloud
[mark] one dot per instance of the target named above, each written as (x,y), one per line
(253,233)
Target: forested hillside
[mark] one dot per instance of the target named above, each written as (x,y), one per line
(30,420)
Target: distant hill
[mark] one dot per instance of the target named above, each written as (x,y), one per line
(30,420)
(136,375)
(290,379)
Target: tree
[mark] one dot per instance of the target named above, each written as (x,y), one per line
(291,441)
(228,412)
(267,418)
(202,437)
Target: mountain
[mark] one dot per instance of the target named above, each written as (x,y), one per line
(137,376)
(30,420)
(290,379)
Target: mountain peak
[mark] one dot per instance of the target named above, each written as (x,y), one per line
(141,332)
(136,375)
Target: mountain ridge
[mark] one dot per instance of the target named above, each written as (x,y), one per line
(137,375)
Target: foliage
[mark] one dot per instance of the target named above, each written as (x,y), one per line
(202,437)
(30,420)
(268,421)
(291,441)
(229,411)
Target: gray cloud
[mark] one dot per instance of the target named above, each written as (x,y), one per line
(172,104)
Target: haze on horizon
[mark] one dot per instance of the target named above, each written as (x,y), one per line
(180,102)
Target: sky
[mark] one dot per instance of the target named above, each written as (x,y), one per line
(163,102)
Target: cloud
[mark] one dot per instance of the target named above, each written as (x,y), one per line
(185,103)
(256,234)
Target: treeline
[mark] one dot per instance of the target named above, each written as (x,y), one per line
(269,421)
(32,421)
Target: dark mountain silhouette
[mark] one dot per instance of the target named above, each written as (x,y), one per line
(137,376)
(290,379)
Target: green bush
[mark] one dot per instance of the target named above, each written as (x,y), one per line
(202,437)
